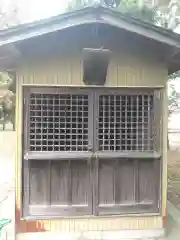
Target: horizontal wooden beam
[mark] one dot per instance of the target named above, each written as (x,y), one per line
(57,155)
(89,155)
(128,154)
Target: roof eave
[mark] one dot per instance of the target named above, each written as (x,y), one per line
(87,16)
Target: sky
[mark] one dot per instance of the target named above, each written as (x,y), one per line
(36,9)
(32,10)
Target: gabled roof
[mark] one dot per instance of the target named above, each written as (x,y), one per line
(88,15)
(93,14)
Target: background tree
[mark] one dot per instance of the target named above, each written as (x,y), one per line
(161,13)
(78,4)
(8,17)
(7,99)
(174,96)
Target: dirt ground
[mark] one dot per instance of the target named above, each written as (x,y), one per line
(173,228)
(173,157)
(174,177)
(7,198)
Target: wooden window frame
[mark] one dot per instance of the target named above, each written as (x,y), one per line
(92,159)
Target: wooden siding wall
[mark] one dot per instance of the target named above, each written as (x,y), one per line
(124,70)
(164,154)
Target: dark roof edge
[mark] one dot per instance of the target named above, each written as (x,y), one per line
(144,24)
(96,9)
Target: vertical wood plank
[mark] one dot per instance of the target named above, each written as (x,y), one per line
(164,107)
(112,73)
(39,182)
(106,182)
(136,180)
(125,181)
(60,182)
(80,178)
(91,122)
(157,113)
(157,183)
(95,185)
(146,181)
(26,118)
(19,136)
(26,186)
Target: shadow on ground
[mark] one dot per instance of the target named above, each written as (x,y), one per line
(173,230)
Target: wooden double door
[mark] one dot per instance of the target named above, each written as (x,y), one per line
(89,152)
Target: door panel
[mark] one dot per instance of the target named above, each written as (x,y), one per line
(148,181)
(126,186)
(60,187)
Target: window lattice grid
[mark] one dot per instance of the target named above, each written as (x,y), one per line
(58,122)
(125,122)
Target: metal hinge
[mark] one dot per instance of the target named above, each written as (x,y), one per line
(24,100)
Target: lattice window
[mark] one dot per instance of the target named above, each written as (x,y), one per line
(58,122)
(125,122)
